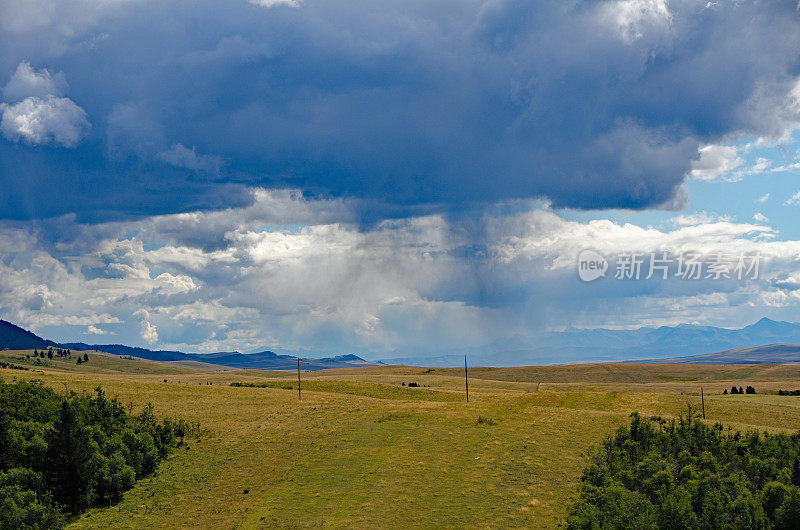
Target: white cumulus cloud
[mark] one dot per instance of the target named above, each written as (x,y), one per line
(149,332)
(715,161)
(51,119)
(27,82)
(94,330)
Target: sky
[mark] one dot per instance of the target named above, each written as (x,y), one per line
(394,178)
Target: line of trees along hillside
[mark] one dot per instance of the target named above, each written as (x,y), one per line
(659,474)
(60,454)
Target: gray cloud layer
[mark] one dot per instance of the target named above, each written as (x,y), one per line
(398,105)
(417,285)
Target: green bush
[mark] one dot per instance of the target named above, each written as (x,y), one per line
(685,474)
(60,454)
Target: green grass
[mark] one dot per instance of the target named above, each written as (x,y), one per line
(373,390)
(676,378)
(99,363)
(359,450)
(632,373)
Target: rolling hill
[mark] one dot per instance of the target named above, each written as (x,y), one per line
(361,449)
(16,338)
(769,354)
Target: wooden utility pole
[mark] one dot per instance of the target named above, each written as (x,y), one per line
(466,378)
(703,401)
(298,378)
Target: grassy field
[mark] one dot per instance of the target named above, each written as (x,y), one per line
(360,450)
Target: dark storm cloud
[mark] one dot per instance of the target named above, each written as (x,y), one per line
(400,105)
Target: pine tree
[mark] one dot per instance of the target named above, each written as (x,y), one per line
(796,472)
(70,464)
(6,441)
(86,357)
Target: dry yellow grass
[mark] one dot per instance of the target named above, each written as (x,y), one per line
(361,451)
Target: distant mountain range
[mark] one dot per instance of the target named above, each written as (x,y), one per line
(766,341)
(665,341)
(661,344)
(16,338)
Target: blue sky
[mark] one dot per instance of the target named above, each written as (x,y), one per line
(389,178)
(756,178)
